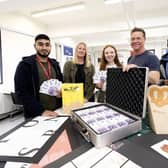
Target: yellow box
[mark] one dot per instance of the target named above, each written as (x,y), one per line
(72,96)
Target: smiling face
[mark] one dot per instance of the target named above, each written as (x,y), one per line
(137,42)
(109,55)
(81,51)
(43,47)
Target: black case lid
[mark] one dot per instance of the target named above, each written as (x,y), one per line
(127,90)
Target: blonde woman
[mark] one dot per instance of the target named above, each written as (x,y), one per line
(109,59)
(80,70)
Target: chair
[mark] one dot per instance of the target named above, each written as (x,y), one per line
(18,104)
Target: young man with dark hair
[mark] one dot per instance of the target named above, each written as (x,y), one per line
(31,72)
(142,57)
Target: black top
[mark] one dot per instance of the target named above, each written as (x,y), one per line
(48,102)
(27,85)
(80,74)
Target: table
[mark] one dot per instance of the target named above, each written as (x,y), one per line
(135,147)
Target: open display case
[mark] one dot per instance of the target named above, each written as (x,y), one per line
(121,115)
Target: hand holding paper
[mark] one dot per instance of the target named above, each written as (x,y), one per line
(100,77)
(51,87)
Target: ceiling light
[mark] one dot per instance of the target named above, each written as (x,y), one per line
(2,0)
(115,1)
(111,1)
(61,9)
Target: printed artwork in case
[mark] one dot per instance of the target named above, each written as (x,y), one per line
(27,141)
(103,119)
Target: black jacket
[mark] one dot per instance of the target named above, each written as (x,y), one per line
(27,85)
(163,62)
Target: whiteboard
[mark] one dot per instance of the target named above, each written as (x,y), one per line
(14,46)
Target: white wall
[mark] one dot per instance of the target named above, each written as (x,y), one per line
(17,33)
(21,24)
(59,45)
(124,50)
(95,52)
(14,47)
(6,104)
(17,38)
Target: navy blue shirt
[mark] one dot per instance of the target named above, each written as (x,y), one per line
(146,59)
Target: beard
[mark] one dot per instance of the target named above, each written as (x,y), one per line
(43,54)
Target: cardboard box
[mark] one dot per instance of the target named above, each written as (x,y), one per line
(72,96)
(158,105)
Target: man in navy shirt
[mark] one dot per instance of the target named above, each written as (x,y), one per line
(143,58)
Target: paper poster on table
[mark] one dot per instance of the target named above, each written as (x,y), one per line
(103,158)
(72,96)
(161,147)
(59,148)
(39,141)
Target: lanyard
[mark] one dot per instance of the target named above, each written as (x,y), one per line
(47,73)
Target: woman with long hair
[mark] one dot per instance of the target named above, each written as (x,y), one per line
(109,59)
(80,70)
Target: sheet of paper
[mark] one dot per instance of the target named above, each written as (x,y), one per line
(161,147)
(101,158)
(114,159)
(130,164)
(100,76)
(90,157)
(51,87)
(28,139)
(20,165)
(68,165)
(17,164)
(58,149)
